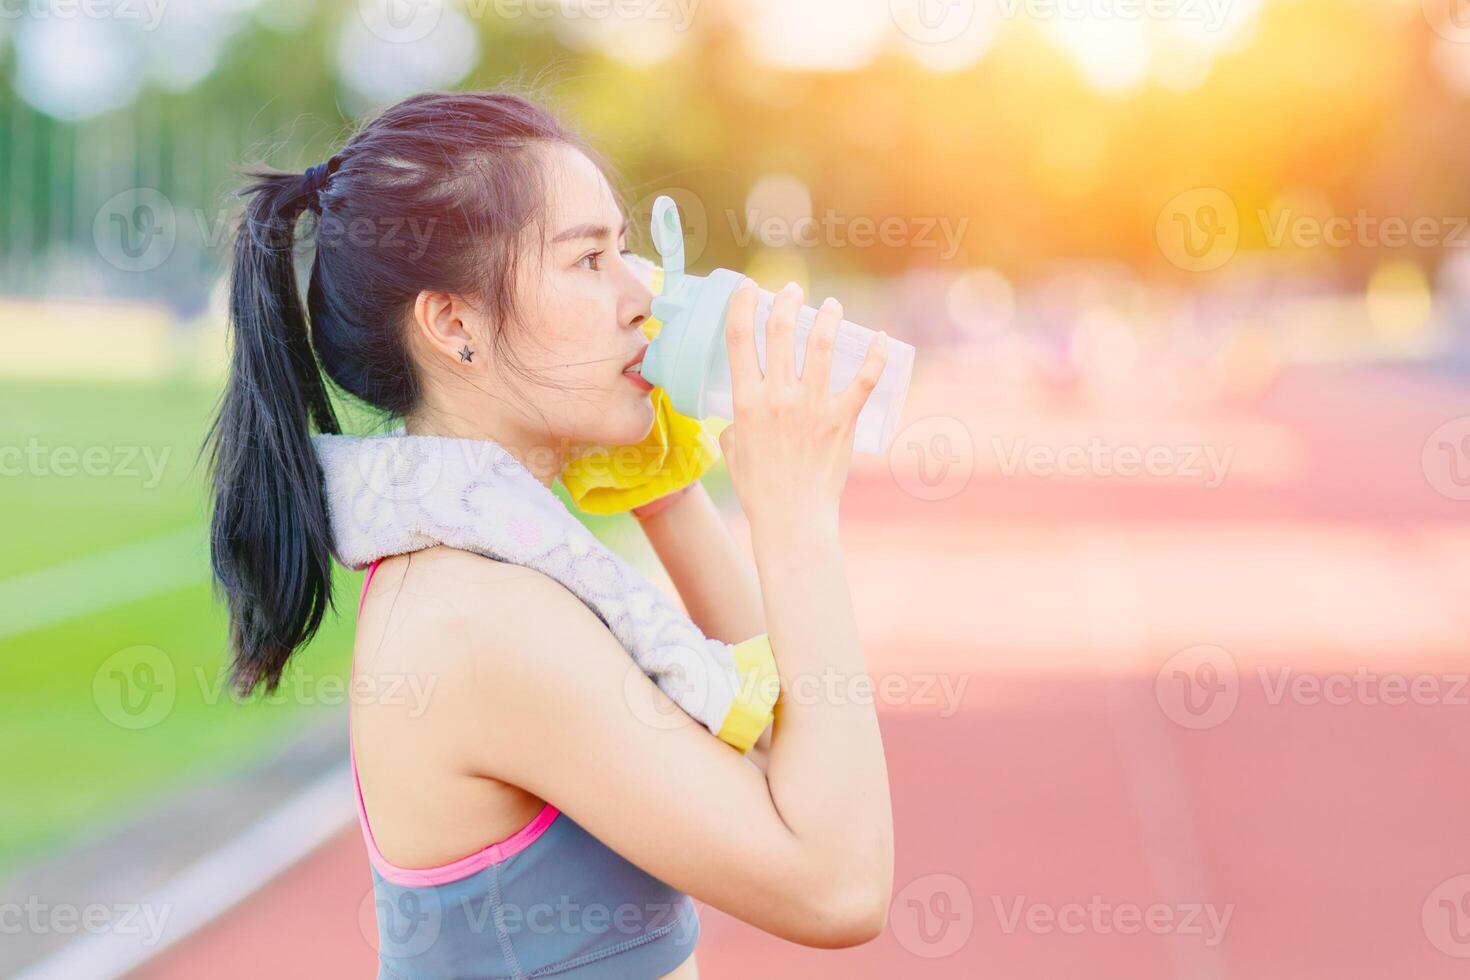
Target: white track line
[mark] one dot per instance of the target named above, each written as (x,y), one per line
(92,583)
(213,884)
(1115,613)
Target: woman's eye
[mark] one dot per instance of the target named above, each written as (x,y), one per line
(590,260)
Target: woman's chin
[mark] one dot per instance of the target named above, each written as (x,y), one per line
(633,425)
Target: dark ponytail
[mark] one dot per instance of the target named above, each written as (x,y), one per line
(270,540)
(433,194)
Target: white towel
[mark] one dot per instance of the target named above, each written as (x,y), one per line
(393,494)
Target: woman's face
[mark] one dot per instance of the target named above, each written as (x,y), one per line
(580,307)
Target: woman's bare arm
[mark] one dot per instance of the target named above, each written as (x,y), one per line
(711,573)
(714,578)
(549,701)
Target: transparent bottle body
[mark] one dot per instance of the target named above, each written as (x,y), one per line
(878,420)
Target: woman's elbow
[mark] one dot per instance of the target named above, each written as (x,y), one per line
(850,916)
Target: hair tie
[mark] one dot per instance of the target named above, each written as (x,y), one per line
(316,180)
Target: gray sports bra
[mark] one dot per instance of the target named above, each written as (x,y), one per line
(550,900)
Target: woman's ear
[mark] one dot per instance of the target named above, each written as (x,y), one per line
(443,323)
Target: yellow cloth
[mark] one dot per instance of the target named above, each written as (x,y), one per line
(675,453)
(760,692)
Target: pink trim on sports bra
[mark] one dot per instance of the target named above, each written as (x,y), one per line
(441,874)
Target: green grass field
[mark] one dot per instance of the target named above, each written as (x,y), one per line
(112,646)
(76,756)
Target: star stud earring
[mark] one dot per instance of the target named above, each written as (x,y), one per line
(465,354)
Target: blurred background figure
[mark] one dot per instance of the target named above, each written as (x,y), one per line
(1163,581)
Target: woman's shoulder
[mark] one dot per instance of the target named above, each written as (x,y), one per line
(460,600)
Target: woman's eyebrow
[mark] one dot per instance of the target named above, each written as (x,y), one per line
(588,231)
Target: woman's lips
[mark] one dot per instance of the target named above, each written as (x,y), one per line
(632,371)
(638,379)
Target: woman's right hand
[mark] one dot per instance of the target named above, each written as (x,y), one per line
(790,446)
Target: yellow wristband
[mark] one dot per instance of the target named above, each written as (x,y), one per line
(760,691)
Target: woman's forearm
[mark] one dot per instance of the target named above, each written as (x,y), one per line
(824,722)
(714,578)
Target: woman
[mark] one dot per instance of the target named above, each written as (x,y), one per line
(479,288)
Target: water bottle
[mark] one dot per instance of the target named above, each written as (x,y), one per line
(689,360)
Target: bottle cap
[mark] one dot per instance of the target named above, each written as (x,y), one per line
(690,346)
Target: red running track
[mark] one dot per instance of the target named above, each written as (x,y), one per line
(1075,802)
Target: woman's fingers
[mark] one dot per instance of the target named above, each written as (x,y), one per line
(745,368)
(816,367)
(855,395)
(780,334)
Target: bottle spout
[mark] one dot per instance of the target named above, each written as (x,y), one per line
(668,240)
